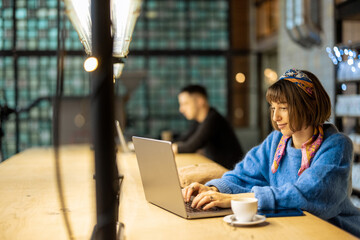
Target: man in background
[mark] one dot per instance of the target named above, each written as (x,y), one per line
(210,131)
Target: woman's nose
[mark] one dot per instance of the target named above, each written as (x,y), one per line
(276,116)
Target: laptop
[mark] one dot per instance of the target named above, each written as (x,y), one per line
(159,176)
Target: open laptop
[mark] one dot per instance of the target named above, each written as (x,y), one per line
(160,179)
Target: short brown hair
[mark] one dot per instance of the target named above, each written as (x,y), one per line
(303,109)
(195,89)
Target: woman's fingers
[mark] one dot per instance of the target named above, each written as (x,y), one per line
(196,200)
(210,205)
(201,199)
(186,191)
(192,189)
(211,199)
(189,190)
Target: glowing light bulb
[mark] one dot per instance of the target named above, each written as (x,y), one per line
(240,77)
(350,61)
(91,64)
(337,54)
(270,75)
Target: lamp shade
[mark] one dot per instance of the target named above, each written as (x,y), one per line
(124,14)
(78,12)
(118,68)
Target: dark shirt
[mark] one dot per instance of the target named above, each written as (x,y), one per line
(216,137)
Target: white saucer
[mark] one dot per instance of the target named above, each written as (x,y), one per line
(256,220)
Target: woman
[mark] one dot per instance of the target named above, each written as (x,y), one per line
(304,164)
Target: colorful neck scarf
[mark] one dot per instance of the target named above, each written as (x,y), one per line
(308,150)
(300,79)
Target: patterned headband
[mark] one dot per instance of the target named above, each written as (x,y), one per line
(300,79)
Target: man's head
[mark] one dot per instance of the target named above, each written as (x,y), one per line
(193,103)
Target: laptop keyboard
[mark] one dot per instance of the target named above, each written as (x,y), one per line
(194,210)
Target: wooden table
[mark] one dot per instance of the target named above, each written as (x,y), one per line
(30,209)
(29,202)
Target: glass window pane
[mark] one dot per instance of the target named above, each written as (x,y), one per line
(208,24)
(166,24)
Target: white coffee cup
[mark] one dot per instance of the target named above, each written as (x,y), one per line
(244,209)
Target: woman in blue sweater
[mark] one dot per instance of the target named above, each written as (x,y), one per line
(305,163)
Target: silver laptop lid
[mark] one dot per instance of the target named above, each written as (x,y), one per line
(159,174)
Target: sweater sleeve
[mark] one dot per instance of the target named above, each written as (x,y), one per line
(192,128)
(321,188)
(251,171)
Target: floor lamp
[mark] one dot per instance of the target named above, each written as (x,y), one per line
(105,28)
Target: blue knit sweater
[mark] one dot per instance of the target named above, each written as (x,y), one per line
(322,189)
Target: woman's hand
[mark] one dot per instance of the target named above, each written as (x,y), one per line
(210,199)
(209,196)
(195,188)
(174,148)
(215,199)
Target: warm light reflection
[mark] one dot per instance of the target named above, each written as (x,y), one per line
(239,113)
(270,76)
(91,64)
(240,77)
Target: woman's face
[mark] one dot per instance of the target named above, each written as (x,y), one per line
(280,115)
